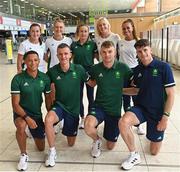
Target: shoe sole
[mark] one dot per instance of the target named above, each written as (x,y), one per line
(22,169)
(50,165)
(96,156)
(131,167)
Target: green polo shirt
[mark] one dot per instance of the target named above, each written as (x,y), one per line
(84,54)
(109,86)
(67,85)
(30,90)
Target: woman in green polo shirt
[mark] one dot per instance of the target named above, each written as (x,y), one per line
(84,50)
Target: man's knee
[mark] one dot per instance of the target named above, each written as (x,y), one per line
(155,147)
(154,151)
(40,144)
(89,124)
(40,148)
(71,141)
(127,121)
(110,145)
(123,123)
(50,118)
(20,128)
(70,144)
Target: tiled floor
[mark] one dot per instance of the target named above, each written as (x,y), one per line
(78,158)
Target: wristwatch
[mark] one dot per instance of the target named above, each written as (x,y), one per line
(25,116)
(166,114)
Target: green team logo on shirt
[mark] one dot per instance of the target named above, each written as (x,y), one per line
(74,75)
(117,74)
(154,72)
(88,47)
(41,83)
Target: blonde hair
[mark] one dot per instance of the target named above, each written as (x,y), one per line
(57,20)
(98,22)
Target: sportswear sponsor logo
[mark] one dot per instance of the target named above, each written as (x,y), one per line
(26,84)
(139,75)
(58,78)
(76,46)
(100,75)
(116,138)
(159,138)
(52,45)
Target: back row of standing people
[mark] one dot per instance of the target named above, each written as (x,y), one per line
(87,49)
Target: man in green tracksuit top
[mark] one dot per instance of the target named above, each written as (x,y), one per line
(110,76)
(26,90)
(67,78)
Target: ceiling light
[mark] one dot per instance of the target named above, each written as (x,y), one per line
(62,15)
(72,15)
(82,13)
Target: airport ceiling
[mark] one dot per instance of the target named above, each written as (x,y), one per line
(65,6)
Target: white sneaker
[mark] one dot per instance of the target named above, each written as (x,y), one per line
(50,161)
(81,125)
(22,165)
(59,126)
(131,161)
(140,130)
(28,133)
(96,148)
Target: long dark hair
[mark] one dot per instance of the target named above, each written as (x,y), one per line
(134,29)
(34,25)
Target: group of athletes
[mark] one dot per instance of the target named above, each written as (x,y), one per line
(126,74)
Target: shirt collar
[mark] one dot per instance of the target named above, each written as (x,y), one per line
(78,42)
(152,64)
(113,66)
(29,76)
(71,68)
